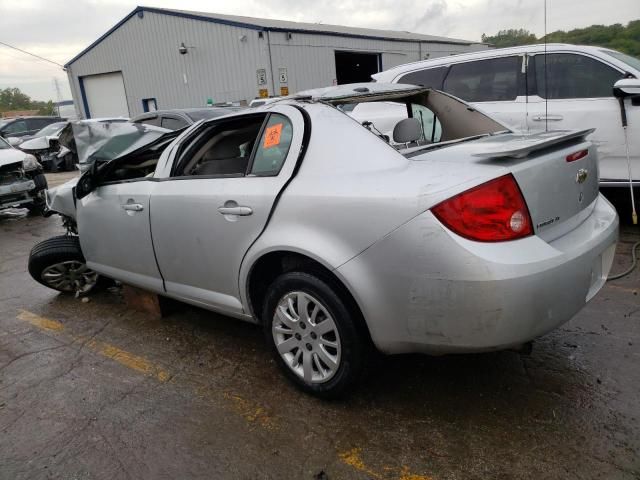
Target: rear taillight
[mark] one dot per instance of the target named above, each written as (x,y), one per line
(492,212)
(577,155)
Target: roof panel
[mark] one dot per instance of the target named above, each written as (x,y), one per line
(285,26)
(321,28)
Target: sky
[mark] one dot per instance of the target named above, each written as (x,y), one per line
(58,29)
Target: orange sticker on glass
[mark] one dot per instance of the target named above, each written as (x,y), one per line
(272,136)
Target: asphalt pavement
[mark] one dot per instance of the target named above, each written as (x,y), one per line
(93,390)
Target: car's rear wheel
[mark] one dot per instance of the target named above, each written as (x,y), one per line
(58,263)
(313,334)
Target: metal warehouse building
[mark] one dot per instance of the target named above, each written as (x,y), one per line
(158,59)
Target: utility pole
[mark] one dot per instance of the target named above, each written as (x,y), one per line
(56,84)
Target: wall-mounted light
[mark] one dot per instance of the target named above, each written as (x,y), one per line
(184,49)
(260,34)
(242,38)
(288,35)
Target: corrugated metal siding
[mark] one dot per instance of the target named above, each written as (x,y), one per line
(310,58)
(220,65)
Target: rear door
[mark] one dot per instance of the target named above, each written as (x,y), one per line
(215,202)
(579,94)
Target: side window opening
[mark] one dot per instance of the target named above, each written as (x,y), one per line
(222,149)
(430,78)
(490,80)
(137,167)
(571,75)
(15,127)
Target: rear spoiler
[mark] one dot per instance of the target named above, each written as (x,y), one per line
(520,147)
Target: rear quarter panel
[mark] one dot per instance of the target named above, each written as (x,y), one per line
(350,191)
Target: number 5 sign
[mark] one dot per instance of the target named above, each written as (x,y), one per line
(283,75)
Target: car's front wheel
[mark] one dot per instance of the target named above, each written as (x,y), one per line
(58,263)
(313,334)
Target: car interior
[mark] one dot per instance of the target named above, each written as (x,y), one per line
(224,149)
(434,118)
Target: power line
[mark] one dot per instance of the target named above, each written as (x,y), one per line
(32,54)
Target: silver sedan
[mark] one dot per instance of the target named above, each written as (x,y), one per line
(449,233)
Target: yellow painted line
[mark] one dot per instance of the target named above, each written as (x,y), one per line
(40,322)
(405,474)
(353,458)
(129,360)
(626,289)
(250,411)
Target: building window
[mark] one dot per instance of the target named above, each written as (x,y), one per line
(149,105)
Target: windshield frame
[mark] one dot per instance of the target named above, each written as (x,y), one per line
(4,145)
(624,58)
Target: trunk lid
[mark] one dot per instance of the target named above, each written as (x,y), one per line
(560,194)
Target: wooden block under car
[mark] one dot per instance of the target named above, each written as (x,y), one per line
(146,302)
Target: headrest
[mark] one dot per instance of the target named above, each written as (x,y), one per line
(407,131)
(225,148)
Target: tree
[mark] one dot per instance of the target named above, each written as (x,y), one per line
(618,37)
(510,38)
(13,99)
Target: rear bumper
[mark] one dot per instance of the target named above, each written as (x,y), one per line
(16,193)
(424,289)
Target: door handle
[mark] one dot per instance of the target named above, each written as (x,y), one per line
(241,211)
(548,118)
(132,207)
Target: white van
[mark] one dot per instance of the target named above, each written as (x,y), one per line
(509,83)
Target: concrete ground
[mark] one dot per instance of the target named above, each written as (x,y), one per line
(96,391)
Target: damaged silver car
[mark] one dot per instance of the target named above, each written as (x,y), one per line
(454,235)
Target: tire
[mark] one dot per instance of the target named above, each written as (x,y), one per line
(326,380)
(36,208)
(41,182)
(69,164)
(52,256)
(39,205)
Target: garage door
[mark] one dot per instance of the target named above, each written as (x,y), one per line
(105,95)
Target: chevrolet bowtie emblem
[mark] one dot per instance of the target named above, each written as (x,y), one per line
(582,175)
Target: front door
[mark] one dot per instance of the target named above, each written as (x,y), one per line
(579,94)
(115,235)
(217,201)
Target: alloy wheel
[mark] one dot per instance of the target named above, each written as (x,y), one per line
(70,276)
(306,337)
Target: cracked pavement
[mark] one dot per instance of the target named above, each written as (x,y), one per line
(80,396)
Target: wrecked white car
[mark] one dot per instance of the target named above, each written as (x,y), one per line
(462,236)
(22,183)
